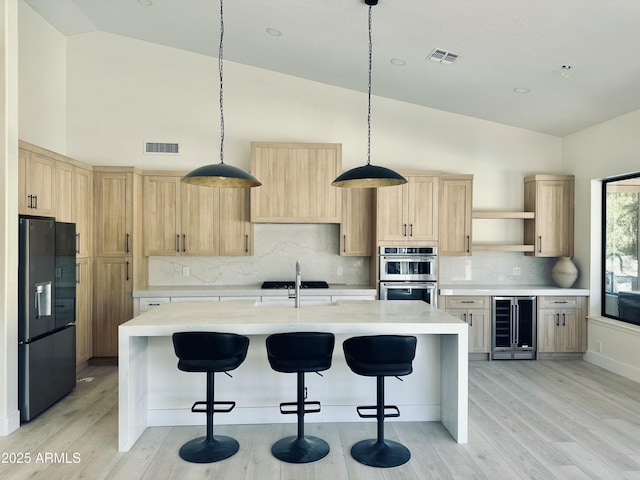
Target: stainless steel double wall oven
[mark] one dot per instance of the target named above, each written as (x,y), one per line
(409,273)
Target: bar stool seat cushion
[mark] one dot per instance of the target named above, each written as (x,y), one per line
(380,355)
(300,351)
(209,351)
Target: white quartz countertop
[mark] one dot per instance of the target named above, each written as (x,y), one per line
(512,290)
(254,318)
(244,290)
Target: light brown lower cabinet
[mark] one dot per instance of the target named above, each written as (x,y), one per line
(476,312)
(113,302)
(84,301)
(561,324)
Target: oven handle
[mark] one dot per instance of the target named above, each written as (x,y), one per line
(415,258)
(427,285)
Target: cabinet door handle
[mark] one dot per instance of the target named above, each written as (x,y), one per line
(564,320)
(411,229)
(468,243)
(77,243)
(404,229)
(184,242)
(30,197)
(471,319)
(36,199)
(560,301)
(539,243)
(126,243)
(246,243)
(127,278)
(344,243)
(78,273)
(468,301)
(177,242)
(557,319)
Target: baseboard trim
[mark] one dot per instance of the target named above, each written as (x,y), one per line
(10,424)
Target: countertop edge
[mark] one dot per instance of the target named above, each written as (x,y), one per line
(243,290)
(511,290)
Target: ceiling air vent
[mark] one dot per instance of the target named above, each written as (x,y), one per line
(442,56)
(164,148)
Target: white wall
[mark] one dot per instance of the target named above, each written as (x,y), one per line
(605,150)
(9,415)
(123,91)
(42,72)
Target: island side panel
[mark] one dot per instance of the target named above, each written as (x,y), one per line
(454,389)
(132,389)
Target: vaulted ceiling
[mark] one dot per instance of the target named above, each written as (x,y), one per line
(552,66)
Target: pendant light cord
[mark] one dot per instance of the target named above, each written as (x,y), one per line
(221,85)
(369,96)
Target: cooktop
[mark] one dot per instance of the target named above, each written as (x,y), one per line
(292,284)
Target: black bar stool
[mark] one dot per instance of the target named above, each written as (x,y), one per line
(380,356)
(300,352)
(210,352)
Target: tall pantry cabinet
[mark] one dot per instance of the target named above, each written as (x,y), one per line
(120,264)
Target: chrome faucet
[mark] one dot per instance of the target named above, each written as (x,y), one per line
(298,283)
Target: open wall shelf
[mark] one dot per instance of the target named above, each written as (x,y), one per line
(501,215)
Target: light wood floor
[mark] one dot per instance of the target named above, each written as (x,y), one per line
(528,420)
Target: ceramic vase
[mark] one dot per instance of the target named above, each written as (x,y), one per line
(564,272)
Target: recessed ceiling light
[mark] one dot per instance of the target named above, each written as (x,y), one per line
(146,3)
(398,62)
(521,90)
(274,32)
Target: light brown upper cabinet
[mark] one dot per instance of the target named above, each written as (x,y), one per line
(296,182)
(236,231)
(456,199)
(183,219)
(118,193)
(409,213)
(36,183)
(551,197)
(356,228)
(74,202)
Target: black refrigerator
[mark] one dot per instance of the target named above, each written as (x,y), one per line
(46,313)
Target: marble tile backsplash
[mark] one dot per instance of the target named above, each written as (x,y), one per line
(278,246)
(276,249)
(496,268)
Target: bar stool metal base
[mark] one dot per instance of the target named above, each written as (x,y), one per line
(204,450)
(300,450)
(385,454)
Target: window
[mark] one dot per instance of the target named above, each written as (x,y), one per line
(621,210)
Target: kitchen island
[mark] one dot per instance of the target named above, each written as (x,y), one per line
(153,392)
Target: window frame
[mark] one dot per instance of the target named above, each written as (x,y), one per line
(603,243)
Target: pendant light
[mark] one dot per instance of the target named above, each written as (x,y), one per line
(220,174)
(369,176)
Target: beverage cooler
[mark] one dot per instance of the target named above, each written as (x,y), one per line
(514,328)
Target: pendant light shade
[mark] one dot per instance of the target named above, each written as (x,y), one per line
(369,176)
(219,174)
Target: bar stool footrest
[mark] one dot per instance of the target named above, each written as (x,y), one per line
(395,411)
(315,409)
(229,406)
